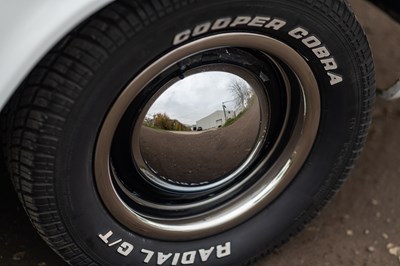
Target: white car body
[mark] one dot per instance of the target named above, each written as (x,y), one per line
(29,29)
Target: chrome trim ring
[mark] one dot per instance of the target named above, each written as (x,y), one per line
(253,199)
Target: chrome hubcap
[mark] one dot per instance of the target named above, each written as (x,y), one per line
(203,130)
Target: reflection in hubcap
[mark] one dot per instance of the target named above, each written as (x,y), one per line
(201,129)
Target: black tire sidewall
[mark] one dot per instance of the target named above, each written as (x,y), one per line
(81,207)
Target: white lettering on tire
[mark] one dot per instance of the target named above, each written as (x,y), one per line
(309,40)
(320,51)
(205,253)
(123,249)
(223,250)
(223,23)
(189,257)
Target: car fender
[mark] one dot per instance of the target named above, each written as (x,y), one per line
(29,29)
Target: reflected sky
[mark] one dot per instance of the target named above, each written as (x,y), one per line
(196,97)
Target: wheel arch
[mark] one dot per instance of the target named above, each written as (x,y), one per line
(28,36)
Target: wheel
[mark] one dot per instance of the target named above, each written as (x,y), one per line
(188,132)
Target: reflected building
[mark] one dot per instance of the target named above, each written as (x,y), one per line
(215,120)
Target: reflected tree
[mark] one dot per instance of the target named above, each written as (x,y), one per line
(243,97)
(164,122)
(241,92)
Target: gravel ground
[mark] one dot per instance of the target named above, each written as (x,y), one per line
(361,225)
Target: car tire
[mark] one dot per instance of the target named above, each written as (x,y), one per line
(81,102)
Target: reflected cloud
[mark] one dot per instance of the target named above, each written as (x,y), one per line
(196,97)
